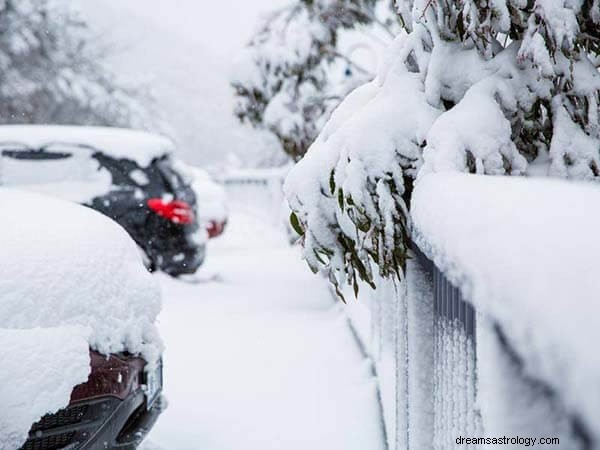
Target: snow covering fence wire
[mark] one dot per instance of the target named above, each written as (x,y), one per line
(454,362)
(530,268)
(449,370)
(476,388)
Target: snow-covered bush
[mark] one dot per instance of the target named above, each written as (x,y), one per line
(51,70)
(501,88)
(284,79)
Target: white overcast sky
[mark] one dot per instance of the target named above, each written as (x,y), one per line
(184,49)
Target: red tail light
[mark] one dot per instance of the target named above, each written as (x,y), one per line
(176,211)
(215,229)
(113,376)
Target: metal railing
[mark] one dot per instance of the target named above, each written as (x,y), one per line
(455,370)
(454,360)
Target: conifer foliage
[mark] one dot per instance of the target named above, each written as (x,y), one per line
(505,87)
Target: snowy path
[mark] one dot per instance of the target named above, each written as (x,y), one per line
(261,358)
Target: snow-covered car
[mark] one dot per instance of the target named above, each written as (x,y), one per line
(211,196)
(125,174)
(80,355)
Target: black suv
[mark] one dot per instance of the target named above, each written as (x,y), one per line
(126,175)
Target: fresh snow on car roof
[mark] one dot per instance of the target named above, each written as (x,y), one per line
(65,264)
(136,145)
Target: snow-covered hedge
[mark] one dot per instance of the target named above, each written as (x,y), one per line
(499,88)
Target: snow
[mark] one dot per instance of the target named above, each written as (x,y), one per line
(417,295)
(443,103)
(39,368)
(361,151)
(64,264)
(139,146)
(524,252)
(79,178)
(510,404)
(260,355)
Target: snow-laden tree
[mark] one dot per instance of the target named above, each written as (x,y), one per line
(506,87)
(284,79)
(51,70)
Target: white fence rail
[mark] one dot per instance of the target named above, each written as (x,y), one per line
(256,191)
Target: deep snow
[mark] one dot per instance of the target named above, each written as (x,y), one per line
(261,356)
(40,366)
(75,283)
(80,268)
(119,143)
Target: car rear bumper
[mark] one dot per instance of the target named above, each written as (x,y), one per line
(107,423)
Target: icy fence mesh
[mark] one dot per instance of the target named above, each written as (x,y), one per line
(454,368)
(447,371)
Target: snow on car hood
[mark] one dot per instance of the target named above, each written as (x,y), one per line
(135,145)
(38,370)
(64,264)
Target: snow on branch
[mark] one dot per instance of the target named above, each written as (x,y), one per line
(502,88)
(286,79)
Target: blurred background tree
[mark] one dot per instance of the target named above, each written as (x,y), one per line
(304,60)
(51,71)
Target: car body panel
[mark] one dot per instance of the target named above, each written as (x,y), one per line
(109,411)
(115,172)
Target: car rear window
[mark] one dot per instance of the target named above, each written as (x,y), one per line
(25,166)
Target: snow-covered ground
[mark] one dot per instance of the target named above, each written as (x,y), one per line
(260,356)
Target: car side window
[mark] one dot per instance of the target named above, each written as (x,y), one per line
(125,173)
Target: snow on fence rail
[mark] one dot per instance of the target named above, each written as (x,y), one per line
(491,333)
(257,190)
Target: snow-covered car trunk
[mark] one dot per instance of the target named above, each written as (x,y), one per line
(71,281)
